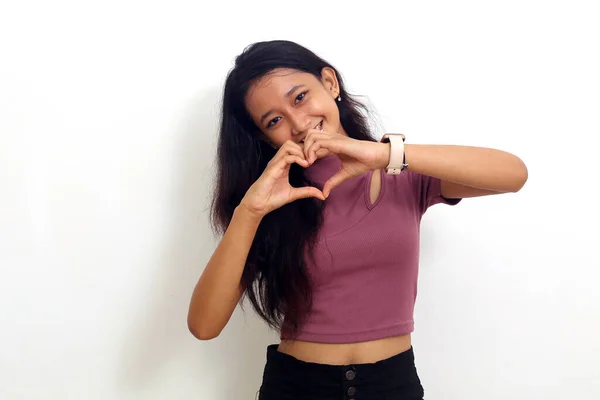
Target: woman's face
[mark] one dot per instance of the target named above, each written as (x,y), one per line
(285,103)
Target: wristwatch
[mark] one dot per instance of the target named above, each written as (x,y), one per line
(397,162)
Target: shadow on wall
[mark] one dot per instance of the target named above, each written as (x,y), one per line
(227,367)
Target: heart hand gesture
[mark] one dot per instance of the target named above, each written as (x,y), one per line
(357,156)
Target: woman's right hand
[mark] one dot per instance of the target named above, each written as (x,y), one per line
(272,189)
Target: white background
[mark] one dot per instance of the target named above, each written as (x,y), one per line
(108,116)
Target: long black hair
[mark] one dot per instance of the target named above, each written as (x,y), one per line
(275,278)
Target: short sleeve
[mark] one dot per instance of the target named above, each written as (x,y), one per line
(428,191)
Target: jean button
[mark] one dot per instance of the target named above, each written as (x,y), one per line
(351,391)
(350,374)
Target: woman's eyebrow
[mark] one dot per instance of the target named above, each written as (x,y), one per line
(292,90)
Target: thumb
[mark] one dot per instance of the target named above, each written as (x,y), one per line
(306,191)
(334,182)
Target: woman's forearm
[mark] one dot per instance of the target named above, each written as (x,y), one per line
(219,288)
(478,167)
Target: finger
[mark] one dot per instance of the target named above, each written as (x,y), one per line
(288,148)
(311,137)
(292,147)
(284,162)
(316,153)
(334,182)
(326,145)
(307,191)
(322,153)
(291,158)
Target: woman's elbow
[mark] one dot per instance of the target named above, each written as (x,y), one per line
(519,176)
(201,331)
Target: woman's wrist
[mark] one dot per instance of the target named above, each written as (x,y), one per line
(384,155)
(248,214)
(393,153)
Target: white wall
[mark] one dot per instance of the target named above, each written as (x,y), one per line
(108,116)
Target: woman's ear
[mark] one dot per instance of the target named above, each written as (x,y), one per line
(330,81)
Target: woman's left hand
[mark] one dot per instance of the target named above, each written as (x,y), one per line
(357,156)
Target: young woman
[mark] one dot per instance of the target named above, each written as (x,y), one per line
(320,225)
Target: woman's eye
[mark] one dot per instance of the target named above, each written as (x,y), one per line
(272,122)
(300,97)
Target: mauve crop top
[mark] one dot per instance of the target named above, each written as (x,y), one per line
(367,256)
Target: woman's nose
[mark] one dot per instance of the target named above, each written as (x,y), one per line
(300,127)
(300,123)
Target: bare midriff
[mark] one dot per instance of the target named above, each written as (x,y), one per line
(346,353)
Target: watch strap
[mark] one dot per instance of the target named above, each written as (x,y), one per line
(397,161)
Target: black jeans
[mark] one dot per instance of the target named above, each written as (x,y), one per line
(287,378)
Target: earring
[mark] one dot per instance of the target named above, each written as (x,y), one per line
(339,98)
